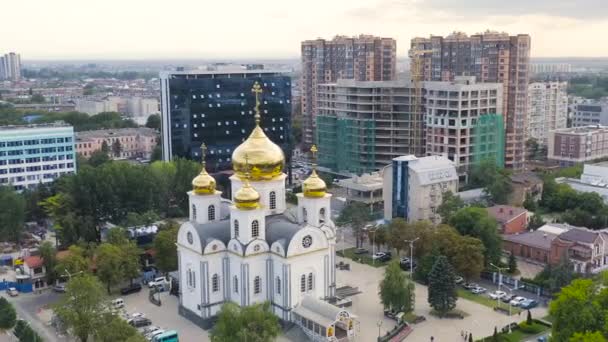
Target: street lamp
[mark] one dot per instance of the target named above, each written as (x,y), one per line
(411,242)
(379,324)
(373,231)
(499,282)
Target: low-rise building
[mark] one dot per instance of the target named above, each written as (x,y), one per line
(414,187)
(33,266)
(512,220)
(122,143)
(586,249)
(589,112)
(593,179)
(525,184)
(366,189)
(34,154)
(578,145)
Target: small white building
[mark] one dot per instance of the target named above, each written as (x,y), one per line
(593,179)
(255,250)
(414,187)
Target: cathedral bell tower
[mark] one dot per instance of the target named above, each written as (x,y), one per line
(204,199)
(314,201)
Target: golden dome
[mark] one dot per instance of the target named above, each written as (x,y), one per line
(247,198)
(314,186)
(266,159)
(203,184)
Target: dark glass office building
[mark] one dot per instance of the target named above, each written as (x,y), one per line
(217,108)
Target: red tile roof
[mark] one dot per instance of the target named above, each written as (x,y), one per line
(33,261)
(505,213)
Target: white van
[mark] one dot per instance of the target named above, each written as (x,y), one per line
(118,303)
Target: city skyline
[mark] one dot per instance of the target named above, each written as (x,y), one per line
(68,29)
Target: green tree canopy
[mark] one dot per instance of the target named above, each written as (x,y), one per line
(355,215)
(8,316)
(442,295)
(577,309)
(493,179)
(254,323)
(450,204)
(166,249)
(112,328)
(12,214)
(477,223)
(109,261)
(396,291)
(82,306)
(588,337)
(153,122)
(74,262)
(48,254)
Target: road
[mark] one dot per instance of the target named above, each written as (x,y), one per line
(28,305)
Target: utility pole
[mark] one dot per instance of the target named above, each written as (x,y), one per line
(411,242)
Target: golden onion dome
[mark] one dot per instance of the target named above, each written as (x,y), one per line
(247,198)
(204,183)
(314,186)
(266,159)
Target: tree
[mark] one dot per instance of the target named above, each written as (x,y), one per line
(536,221)
(255,323)
(25,333)
(157,154)
(98,158)
(166,249)
(116,148)
(477,223)
(74,262)
(109,261)
(113,328)
(378,236)
(355,215)
(576,309)
(466,255)
(529,318)
(396,291)
(450,204)
(493,179)
(8,316)
(82,306)
(153,122)
(530,204)
(37,98)
(12,214)
(442,287)
(48,254)
(512,263)
(588,337)
(104,147)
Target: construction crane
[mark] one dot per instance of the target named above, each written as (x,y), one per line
(417,114)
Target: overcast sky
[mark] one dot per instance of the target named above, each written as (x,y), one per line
(155,29)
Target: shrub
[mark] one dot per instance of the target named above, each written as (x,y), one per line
(531,328)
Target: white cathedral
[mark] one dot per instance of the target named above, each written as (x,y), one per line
(253,249)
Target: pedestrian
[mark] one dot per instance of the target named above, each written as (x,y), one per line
(432,339)
(461,334)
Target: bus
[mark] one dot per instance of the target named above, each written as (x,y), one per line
(167,336)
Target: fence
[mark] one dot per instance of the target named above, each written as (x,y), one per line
(516,284)
(21,287)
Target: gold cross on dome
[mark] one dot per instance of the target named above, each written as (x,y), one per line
(203,152)
(314,150)
(257,90)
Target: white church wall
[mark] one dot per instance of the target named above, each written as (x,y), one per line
(190,292)
(264,188)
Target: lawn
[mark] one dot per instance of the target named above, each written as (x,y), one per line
(483,299)
(361,258)
(518,334)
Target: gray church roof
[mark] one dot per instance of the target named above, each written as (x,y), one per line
(278,228)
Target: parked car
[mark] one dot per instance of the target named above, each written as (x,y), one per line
(381,256)
(139,322)
(517,301)
(497,294)
(59,288)
(150,336)
(478,290)
(528,304)
(12,292)
(133,288)
(458,279)
(391,314)
(158,281)
(508,298)
(150,329)
(361,251)
(406,264)
(470,286)
(511,326)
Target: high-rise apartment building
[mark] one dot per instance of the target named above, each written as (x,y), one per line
(464,122)
(10,67)
(363,58)
(490,57)
(217,108)
(590,112)
(36,154)
(547,109)
(363,125)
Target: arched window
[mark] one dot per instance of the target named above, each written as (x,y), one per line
(257,285)
(273,200)
(193,212)
(303,283)
(255,229)
(322,215)
(278,285)
(236,228)
(211,212)
(215,283)
(304,215)
(236,284)
(310,284)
